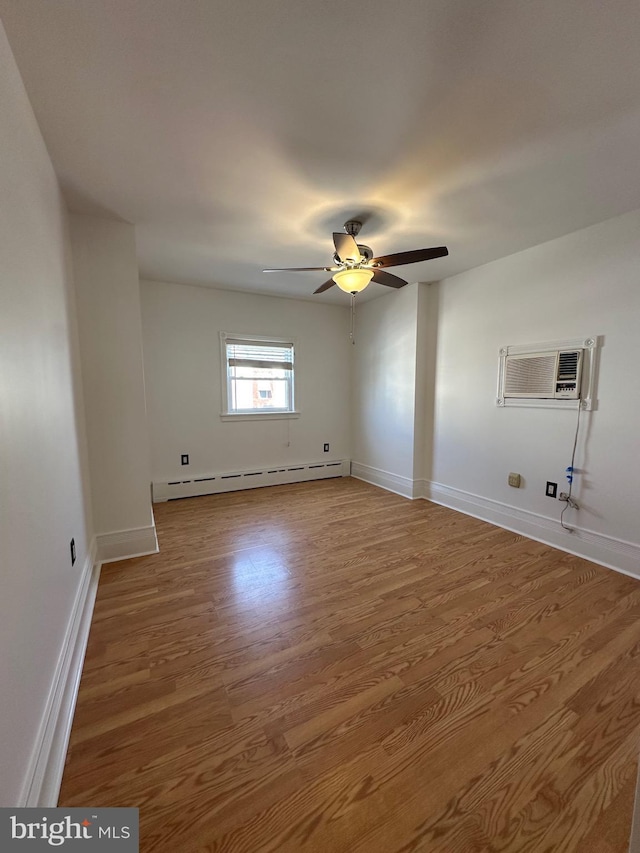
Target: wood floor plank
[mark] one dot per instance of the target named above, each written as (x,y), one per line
(330,668)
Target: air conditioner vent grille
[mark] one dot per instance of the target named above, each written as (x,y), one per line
(530,376)
(568,366)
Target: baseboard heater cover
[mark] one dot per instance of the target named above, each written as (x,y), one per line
(233,481)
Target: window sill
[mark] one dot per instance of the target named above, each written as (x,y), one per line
(258,416)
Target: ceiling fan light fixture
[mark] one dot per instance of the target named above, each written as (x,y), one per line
(353,280)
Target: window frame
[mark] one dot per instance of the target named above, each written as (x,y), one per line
(227,412)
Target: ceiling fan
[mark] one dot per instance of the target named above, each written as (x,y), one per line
(354,265)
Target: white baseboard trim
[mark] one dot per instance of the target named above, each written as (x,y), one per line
(634,841)
(44,776)
(617,554)
(421,489)
(385,479)
(126,543)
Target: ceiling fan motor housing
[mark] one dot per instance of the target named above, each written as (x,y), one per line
(366,255)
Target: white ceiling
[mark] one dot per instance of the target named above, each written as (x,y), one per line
(238,134)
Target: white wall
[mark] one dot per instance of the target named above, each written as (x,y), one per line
(384,388)
(426,355)
(108,298)
(580,285)
(181,326)
(42,467)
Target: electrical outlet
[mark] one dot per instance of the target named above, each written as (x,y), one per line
(185,458)
(72,548)
(326,447)
(552,489)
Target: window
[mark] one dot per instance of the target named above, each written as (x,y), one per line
(259,375)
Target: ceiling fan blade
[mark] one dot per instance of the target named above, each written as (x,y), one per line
(325,286)
(382,277)
(413,257)
(346,248)
(302,269)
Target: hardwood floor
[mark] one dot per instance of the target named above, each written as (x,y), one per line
(329,667)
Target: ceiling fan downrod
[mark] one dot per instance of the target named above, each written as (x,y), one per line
(352,227)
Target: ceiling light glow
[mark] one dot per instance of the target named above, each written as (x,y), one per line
(353,280)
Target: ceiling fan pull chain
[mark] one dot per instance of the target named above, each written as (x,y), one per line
(352,329)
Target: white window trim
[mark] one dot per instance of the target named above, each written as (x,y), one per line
(264,414)
(587,402)
(258,416)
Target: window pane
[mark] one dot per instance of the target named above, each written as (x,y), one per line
(248,394)
(258,373)
(260,376)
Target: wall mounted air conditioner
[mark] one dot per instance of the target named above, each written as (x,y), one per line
(544,375)
(550,374)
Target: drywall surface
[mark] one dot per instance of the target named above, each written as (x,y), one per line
(183,374)
(108,299)
(426,352)
(580,285)
(384,385)
(43,458)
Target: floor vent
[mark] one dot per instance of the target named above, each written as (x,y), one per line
(235,480)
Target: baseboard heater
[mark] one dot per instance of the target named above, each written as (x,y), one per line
(234,481)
